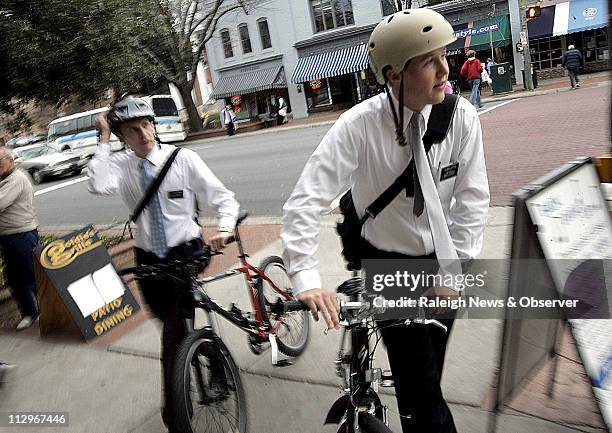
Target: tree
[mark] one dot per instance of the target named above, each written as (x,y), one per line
(55,50)
(171,36)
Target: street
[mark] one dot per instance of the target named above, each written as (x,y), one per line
(524,139)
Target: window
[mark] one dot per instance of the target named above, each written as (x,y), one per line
(329,14)
(388,7)
(243,31)
(164,107)
(86,123)
(264,33)
(227,43)
(546,52)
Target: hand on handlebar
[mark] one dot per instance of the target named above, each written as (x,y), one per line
(324,301)
(218,241)
(445,293)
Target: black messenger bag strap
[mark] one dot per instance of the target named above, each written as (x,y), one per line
(146,198)
(437,129)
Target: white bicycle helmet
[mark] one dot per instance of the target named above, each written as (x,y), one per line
(126,109)
(405,35)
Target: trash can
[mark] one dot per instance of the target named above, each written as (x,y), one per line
(534,77)
(501,79)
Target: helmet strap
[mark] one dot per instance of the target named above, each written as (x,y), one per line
(398,116)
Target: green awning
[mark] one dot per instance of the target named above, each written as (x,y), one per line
(481,34)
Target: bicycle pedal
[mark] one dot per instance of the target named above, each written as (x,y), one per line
(283,363)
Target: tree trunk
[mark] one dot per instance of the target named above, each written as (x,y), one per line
(194,120)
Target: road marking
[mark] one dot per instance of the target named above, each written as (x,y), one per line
(208,146)
(496,106)
(60,185)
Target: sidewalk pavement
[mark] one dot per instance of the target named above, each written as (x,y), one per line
(545,87)
(116,388)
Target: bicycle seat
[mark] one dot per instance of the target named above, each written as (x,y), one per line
(352,286)
(241,217)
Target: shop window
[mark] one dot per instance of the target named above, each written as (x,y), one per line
(595,45)
(264,33)
(243,31)
(226,41)
(330,14)
(317,93)
(546,53)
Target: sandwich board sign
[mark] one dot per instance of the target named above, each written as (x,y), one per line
(79,285)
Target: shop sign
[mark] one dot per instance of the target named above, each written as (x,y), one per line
(479,30)
(236,100)
(315,84)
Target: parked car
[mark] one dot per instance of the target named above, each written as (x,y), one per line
(42,162)
(25,141)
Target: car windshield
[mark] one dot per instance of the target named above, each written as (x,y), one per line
(164,107)
(33,153)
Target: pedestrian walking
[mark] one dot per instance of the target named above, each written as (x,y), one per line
(167,229)
(228,117)
(368,148)
(572,61)
(490,63)
(18,236)
(282,111)
(472,72)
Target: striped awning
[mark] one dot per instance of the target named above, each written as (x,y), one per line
(250,82)
(331,64)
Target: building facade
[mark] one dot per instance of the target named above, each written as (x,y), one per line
(314,52)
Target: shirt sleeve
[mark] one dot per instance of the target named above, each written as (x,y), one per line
(211,191)
(468,214)
(10,190)
(103,171)
(324,177)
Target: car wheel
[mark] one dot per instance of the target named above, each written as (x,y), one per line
(36,177)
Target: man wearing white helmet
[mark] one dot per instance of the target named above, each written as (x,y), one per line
(441,216)
(167,229)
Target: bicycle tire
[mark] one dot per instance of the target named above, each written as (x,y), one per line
(199,345)
(368,423)
(267,296)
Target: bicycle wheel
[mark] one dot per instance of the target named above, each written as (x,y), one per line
(368,423)
(207,391)
(292,335)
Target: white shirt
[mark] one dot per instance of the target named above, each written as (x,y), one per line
(188,177)
(360,152)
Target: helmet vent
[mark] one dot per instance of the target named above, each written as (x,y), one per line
(372,45)
(427,29)
(390,18)
(406,12)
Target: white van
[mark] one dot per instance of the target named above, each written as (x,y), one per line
(169,124)
(78,132)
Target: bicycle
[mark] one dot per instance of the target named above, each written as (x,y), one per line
(207,380)
(360,409)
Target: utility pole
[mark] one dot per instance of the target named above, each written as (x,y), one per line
(526,52)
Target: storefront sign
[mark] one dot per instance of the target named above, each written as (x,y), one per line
(78,272)
(477,30)
(315,84)
(236,100)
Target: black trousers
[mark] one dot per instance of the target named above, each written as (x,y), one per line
(416,356)
(168,300)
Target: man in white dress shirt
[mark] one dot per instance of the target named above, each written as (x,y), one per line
(166,228)
(367,149)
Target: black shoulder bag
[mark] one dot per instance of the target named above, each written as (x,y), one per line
(349,228)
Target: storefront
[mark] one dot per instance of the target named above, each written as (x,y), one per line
(335,79)
(490,38)
(582,23)
(252,89)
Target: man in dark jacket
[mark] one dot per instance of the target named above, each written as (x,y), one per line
(572,60)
